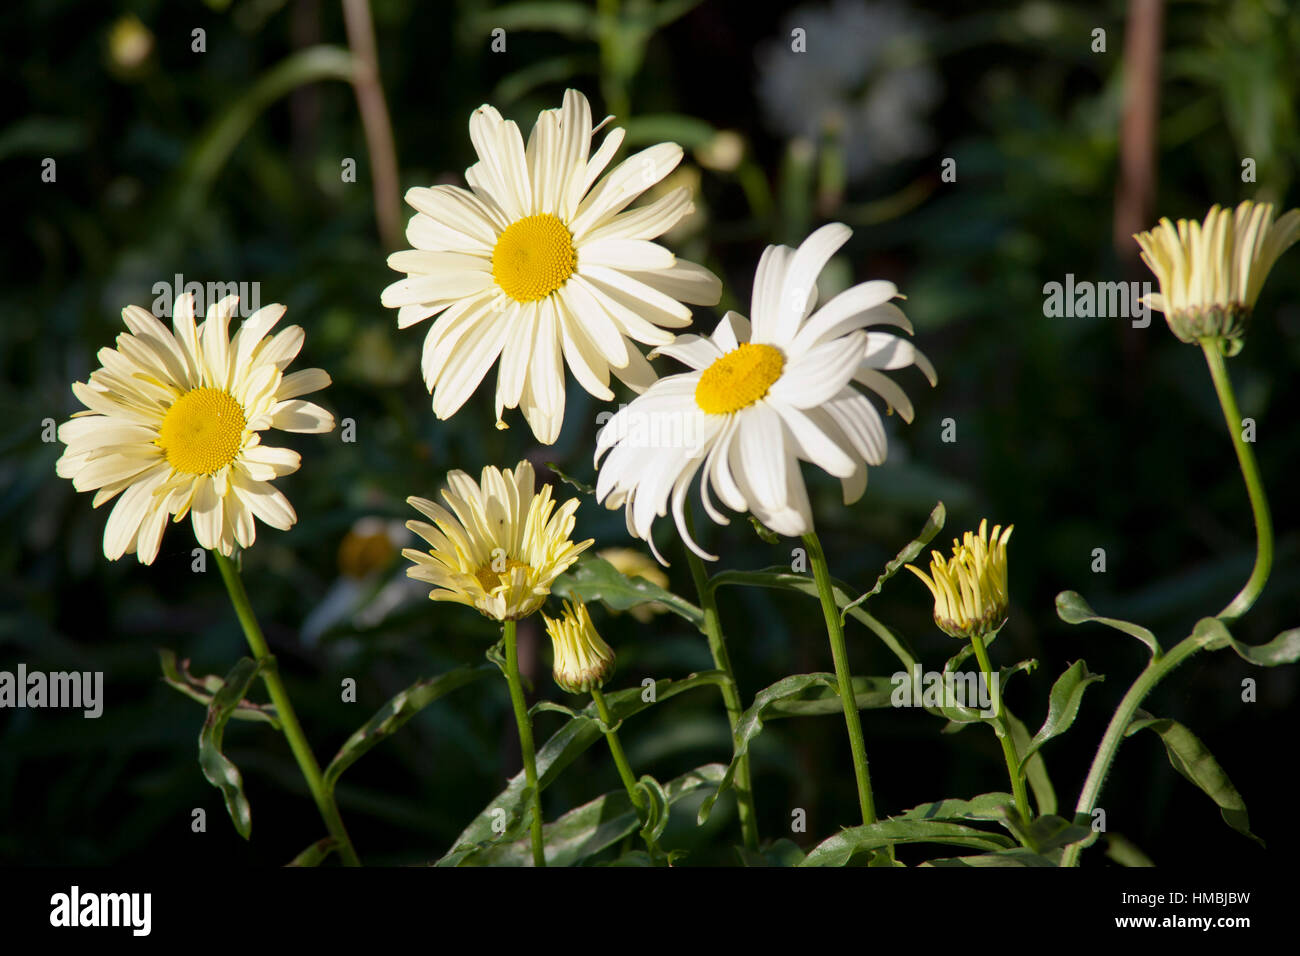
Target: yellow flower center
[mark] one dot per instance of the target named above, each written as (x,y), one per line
(489,577)
(203,431)
(739,378)
(533,257)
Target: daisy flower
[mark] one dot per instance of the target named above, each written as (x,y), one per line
(1211,273)
(538,260)
(173,422)
(758,400)
(499,547)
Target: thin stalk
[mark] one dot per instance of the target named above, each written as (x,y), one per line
(1004,732)
(323,796)
(620,760)
(1254,488)
(839,653)
(744,786)
(526,747)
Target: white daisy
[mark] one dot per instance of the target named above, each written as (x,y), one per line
(173,421)
(760,400)
(537,260)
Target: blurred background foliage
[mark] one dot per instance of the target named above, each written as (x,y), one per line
(225,165)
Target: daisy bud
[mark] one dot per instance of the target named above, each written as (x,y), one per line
(970,588)
(1211,273)
(582,659)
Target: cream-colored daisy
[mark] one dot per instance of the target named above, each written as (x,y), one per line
(1210,273)
(970,588)
(173,425)
(582,658)
(499,547)
(759,400)
(538,260)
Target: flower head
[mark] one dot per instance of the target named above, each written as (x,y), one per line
(582,658)
(761,398)
(970,588)
(1210,273)
(173,424)
(499,547)
(537,260)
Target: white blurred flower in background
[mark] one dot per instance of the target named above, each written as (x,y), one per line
(865,78)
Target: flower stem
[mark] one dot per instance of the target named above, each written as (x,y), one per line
(620,761)
(839,653)
(1254,488)
(323,796)
(744,786)
(525,725)
(1004,732)
(1161,665)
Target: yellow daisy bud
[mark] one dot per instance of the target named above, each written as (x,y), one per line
(1211,273)
(582,658)
(970,588)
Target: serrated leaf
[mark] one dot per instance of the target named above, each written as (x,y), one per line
(1191,758)
(595,579)
(218,768)
(400,708)
(178,676)
(839,849)
(933,525)
(1062,706)
(1073,609)
(557,754)
(795,690)
(315,854)
(587,830)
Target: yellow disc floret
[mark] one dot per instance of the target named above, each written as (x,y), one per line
(203,431)
(533,257)
(739,378)
(496,572)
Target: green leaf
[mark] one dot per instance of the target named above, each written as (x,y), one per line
(1073,609)
(658,802)
(582,486)
(219,770)
(1046,833)
(780,852)
(806,693)
(933,525)
(593,827)
(595,579)
(779,577)
(1016,856)
(401,708)
(315,854)
(1194,761)
(1283,649)
(1125,852)
(632,858)
(837,850)
(763,531)
(556,755)
(203,689)
(1062,707)
(987,806)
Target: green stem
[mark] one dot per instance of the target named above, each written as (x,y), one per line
(525,725)
(1161,665)
(1254,488)
(826,591)
(1151,675)
(744,786)
(1004,732)
(624,768)
(323,796)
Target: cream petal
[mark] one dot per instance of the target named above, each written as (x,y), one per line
(295,415)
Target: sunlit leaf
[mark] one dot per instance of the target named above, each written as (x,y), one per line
(1073,609)
(595,579)
(837,850)
(217,767)
(1062,707)
(202,689)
